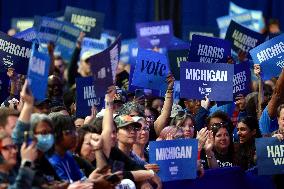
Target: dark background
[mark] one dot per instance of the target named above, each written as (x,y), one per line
(121,15)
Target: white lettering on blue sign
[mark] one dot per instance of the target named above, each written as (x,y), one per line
(210,51)
(181,59)
(239,80)
(14,49)
(270,52)
(276,152)
(206,75)
(244,39)
(154,30)
(83,20)
(179,152)
(38,66)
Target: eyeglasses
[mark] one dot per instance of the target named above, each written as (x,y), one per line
(145,129)
(69,132)
(182,115)
(43,133)
(150,118)
(131,128)
(10,147)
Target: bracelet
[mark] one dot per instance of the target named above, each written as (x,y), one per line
(152,172)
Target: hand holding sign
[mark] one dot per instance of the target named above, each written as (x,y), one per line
(257,70)
(170,81)
(110,93)
(279,136)
(154,167)
(26,94)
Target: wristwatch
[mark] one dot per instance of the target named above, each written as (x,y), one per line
(27,163)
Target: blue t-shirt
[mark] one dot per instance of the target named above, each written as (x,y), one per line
(66,167)
(266,124)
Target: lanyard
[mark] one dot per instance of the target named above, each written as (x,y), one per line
(67,170)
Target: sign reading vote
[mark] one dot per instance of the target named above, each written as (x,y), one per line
(270,156)
(154,34)
(38,73)
(209,49)
(242,78)
(14,53)
(198,80)
(86,96)
(176,56)
(89,21)
(177,158)
(270,56)
(104,66)
(63,34)
(151,70)
(243,38)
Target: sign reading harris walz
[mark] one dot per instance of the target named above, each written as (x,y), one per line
(176,158)
(243,38)
(89,21)
(270,56)
(198,80)
(270,156)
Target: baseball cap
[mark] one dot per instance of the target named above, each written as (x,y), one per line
(125,120)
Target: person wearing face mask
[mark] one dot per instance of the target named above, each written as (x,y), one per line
(40,128)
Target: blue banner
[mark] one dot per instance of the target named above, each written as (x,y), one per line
(242,79)
(177,158)
(257,16)
(38,73)
(244,19)
(198,80)
(21,24)
(89,21)
(63,34)
(175,59)
(104,66)
(209,49)
(154,34)
(14,53)
(151,70)
(270,56)
(4,85)
(86,97)
(243,38)
(270,156)
(27,35)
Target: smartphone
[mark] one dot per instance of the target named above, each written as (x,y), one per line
(27,137)
(139,93)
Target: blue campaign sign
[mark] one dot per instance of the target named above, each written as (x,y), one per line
(243,38)
(242,79)
(270,156)
(151,70)
(154,34)
(89,21)
(63,34)
(86,97)
(27,35)
(4,85)
(38,73)
(177,158)
(189,31)
(104,66)
(94,45)
(209,49)
(270,56)
(244,19)
(177,43)
(198,80)
(176,56)
(257,16)
(14,53)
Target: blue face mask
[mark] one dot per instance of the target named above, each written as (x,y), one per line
(44,142)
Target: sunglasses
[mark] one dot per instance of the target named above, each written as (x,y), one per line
(10,147)
(131,128)
(217,126)
(145,129)
(150,118)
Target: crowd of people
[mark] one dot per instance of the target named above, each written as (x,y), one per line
(44,145)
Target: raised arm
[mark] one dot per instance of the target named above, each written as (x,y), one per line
(162,120)
(108,126)
(257,71)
